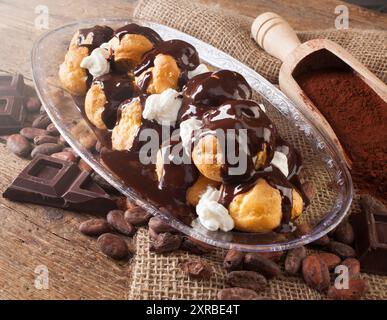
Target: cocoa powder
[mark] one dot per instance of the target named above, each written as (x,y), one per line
(358,116)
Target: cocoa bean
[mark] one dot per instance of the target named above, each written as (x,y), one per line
(305,228)
(341,249)
(233,260)
(330,259)
(158,226)
(33,104)
(94,227)
(69,149)
(166,242)
(195,246)
(130,204)
(45,139)
(322,242)
(247,279)
(357,288)
(199,270)
(353,266)
(369,204)
(84,166)
(31,133)
(137,216)
(275,256)
(152,234)
(258,263)
(41,121)
(46,148)
(294,259)
(116,220)
(19,145)
(52,130)
(62,141)
(65,156)
(237,294)
(121,203)
(344,233)
(113,246)
(309,190)
(315,273)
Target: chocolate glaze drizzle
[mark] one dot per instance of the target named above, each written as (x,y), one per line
(142,178)
(237,115)
(209,90)
(274,178)
(177,177)
(116,87)
(133,28)
(99,34)
(185,55)
(221,100)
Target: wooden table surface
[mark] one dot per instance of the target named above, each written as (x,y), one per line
(31,236)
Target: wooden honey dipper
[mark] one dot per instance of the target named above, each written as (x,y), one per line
(276,37)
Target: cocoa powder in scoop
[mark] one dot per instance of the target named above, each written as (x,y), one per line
(359,118)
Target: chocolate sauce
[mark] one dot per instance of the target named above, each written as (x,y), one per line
(98,35)
(185,55)
(274,178)
(178,172)
(231,117)
(133,28)
(142,178)
(117,88)
(209,90)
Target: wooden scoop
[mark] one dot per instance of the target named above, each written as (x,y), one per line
(278,39)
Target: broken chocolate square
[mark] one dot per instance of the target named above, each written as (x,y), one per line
(12,114)
(62,184)
(370,226)
(12,85)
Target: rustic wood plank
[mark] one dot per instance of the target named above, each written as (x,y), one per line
(32,235)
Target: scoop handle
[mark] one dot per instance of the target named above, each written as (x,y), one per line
(274,35)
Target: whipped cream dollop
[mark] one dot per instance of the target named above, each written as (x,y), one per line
(187,127)
(211,214)
(163,107)
(98,61)
(201,68)
(280,160)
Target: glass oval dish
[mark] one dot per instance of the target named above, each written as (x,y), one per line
(323,167)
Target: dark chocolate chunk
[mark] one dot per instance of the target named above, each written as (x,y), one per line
(12,114)
(370,226)
(12,85)
(57,183)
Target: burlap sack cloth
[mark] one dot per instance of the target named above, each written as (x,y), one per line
(159,276)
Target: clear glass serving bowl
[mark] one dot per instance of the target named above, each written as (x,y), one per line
(323,166)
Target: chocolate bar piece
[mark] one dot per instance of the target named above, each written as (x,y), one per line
(370,227)
(12,85)
(12,114)
(62,184)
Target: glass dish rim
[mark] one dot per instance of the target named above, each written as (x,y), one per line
(336,214)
